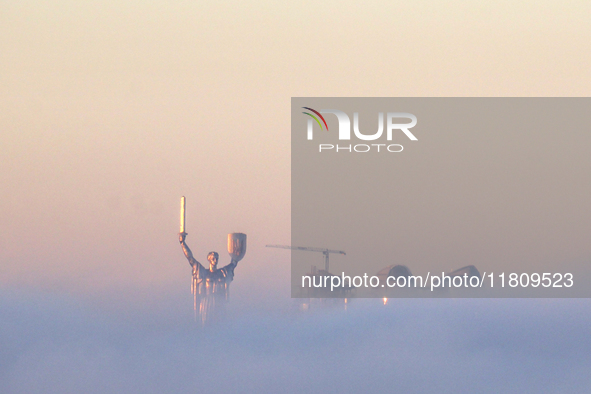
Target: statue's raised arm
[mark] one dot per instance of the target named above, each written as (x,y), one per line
(188,254)
(228,270)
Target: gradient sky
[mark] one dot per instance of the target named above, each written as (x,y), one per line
(111,110)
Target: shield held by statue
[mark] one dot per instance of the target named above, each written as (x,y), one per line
(237,246)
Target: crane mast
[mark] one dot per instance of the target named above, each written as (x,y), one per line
(325,252)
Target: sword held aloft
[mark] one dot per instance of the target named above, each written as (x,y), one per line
(182,215)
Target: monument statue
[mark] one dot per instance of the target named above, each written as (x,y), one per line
(211,286)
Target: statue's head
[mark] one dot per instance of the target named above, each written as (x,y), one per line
(212,257)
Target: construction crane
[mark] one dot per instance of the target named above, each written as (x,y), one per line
(325,252)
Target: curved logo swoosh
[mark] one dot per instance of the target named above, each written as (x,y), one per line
(317,113)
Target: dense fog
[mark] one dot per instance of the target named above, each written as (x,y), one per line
(53,343)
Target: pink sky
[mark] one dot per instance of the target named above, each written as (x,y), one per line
(111,112)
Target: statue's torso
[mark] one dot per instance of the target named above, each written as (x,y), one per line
(212,281)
